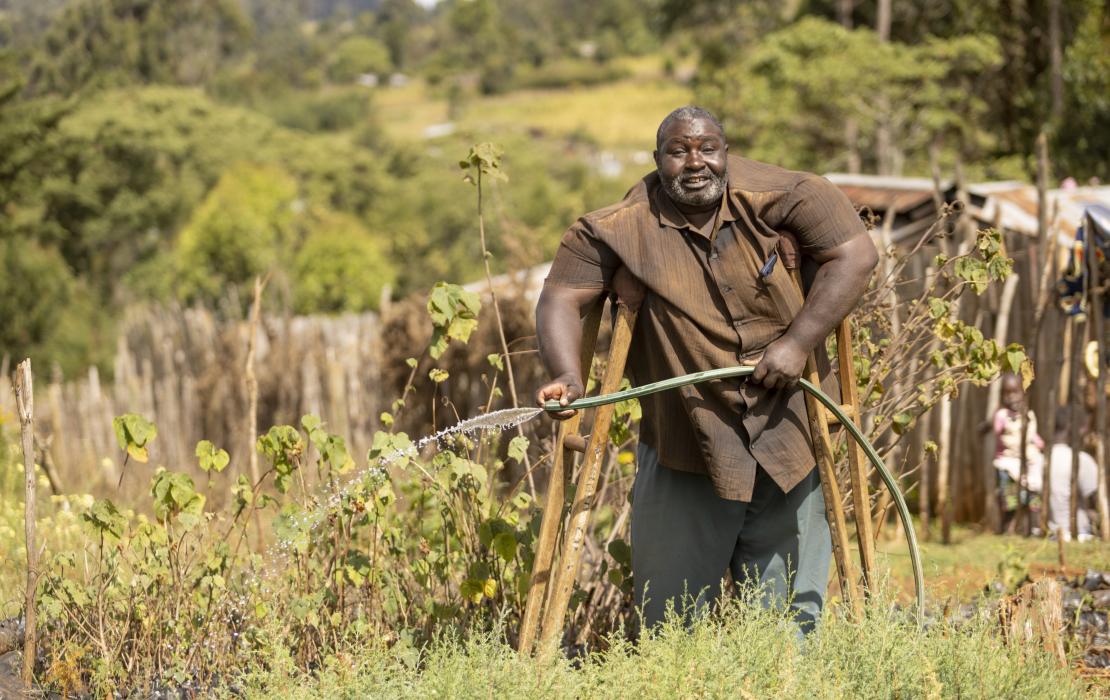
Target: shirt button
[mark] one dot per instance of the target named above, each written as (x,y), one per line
(726,289)
(737,323)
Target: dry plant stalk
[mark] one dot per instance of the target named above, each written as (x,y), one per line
(501,331)
(24,398)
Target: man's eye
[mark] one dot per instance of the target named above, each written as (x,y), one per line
(708,149)
(679,152)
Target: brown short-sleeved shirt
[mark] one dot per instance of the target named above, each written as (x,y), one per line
(709,306)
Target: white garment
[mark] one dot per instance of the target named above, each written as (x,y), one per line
(1060,498)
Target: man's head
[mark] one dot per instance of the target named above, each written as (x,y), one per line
(692,157)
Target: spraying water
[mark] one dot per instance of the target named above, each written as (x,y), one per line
(310,520)
(497,420)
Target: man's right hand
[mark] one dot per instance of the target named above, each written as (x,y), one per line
(562,389)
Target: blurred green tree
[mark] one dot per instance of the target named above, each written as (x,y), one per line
(340,267)
(240,230)
(1082,140)
(355,56)
(787,99)
(99,43)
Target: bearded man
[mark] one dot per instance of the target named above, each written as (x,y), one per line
(726,477)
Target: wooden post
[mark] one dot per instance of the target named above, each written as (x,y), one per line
(826,466)
(857,462)
(556,494)
(574,539)
(25,403)
(1076,361)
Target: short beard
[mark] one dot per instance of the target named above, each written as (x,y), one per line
(696,198)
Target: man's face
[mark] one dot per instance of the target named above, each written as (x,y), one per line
(692,162)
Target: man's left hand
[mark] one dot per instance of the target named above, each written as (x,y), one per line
(780,365)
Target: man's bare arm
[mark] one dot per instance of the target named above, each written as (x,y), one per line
(841,280)
(559,331)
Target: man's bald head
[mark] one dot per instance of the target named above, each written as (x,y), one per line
(685,114)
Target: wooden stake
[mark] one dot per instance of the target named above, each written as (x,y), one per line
(1098,330)
(574,540)
(830,488)
(556,493)
(857,462)
(1076,360)
(25,402)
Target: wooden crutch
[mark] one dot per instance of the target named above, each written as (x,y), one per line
(574,538)
(819,420)
(556,494)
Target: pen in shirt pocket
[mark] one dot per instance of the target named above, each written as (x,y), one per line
(769,266)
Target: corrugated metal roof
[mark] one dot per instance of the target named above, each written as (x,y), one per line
(1015,207)
(1009,204)
(882,193)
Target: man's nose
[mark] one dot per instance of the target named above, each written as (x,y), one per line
(694,160)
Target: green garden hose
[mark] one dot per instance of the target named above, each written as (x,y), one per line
(744,371)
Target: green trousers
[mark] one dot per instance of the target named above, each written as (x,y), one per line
(685,537)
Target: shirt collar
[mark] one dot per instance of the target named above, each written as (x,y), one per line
(670,215)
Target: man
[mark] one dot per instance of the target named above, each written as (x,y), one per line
(726,478)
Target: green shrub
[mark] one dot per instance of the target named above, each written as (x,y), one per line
(340,267)
(357,55)
(331,110)
(237,232)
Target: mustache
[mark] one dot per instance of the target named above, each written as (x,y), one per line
(704,172)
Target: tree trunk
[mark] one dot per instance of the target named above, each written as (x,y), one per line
(882,20)
(1056,60)
(884,142)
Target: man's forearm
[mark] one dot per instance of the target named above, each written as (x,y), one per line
(559,331)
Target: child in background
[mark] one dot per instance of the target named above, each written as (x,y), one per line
(1059,498)
(1007,451)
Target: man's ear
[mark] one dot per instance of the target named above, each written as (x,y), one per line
(655,157)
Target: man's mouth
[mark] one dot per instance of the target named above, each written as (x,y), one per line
(695,181)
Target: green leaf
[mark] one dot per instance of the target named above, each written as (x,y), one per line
(105,518)
(454,313)
(175,497)
(938,308)
(518,448)
(134,433)
(621,552)
(505,545)
(901,422)
(472,590)
(211,459)
(494,359)
(438,375)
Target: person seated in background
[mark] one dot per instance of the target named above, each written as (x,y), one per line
(1008,446)
(1059,497)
